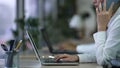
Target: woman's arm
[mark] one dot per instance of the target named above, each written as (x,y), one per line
(85,48)
(108,45)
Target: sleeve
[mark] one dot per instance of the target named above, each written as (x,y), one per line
(88,51)
(87,57)
(85,48)
(107,45)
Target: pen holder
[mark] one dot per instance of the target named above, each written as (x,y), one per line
(12,59)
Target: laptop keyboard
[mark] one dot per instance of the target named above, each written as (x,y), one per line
(51,60)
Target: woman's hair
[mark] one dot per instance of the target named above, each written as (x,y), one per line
(116,6)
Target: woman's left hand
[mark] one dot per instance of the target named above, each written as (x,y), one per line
(66,57)
(103,16)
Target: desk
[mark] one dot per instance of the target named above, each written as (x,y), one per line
(30,63)
(33,63)
(89,65)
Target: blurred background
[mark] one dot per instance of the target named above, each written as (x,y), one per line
(68,23)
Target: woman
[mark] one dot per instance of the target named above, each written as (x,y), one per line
(107,39)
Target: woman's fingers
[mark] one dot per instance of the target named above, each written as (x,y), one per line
(111,7)
(104,7)
(58,57)
(66,59)
(97,10)
(97,2)
(100,7)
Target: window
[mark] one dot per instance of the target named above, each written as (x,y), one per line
(7,17)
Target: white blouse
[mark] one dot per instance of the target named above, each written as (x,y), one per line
(107,43)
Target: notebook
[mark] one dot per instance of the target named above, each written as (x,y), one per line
(49,45)
(49,60)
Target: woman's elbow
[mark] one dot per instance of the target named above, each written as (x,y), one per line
(101,61)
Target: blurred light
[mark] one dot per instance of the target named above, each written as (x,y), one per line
(76,22)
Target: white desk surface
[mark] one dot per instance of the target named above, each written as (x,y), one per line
(30,63)
(33,63)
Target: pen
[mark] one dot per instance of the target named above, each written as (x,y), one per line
(12,44)
(18,45)
(4,47)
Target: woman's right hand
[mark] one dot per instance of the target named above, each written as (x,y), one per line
(103,16)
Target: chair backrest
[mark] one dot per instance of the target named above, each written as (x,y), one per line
(113,64)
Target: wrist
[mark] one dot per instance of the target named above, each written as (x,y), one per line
(102,28)
(77,58)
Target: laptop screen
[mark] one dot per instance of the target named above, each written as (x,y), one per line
(33,44)
(49,60)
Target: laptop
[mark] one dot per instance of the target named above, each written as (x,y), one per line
(49,45)
(47,60)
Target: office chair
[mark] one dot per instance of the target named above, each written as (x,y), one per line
(113,64)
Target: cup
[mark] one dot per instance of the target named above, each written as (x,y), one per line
(12,59)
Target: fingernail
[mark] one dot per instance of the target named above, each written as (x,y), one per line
(61,59)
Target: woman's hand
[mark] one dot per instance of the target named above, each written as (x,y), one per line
(103,16)
(66,57)
(97,2)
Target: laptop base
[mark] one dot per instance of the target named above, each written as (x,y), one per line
(52,62)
